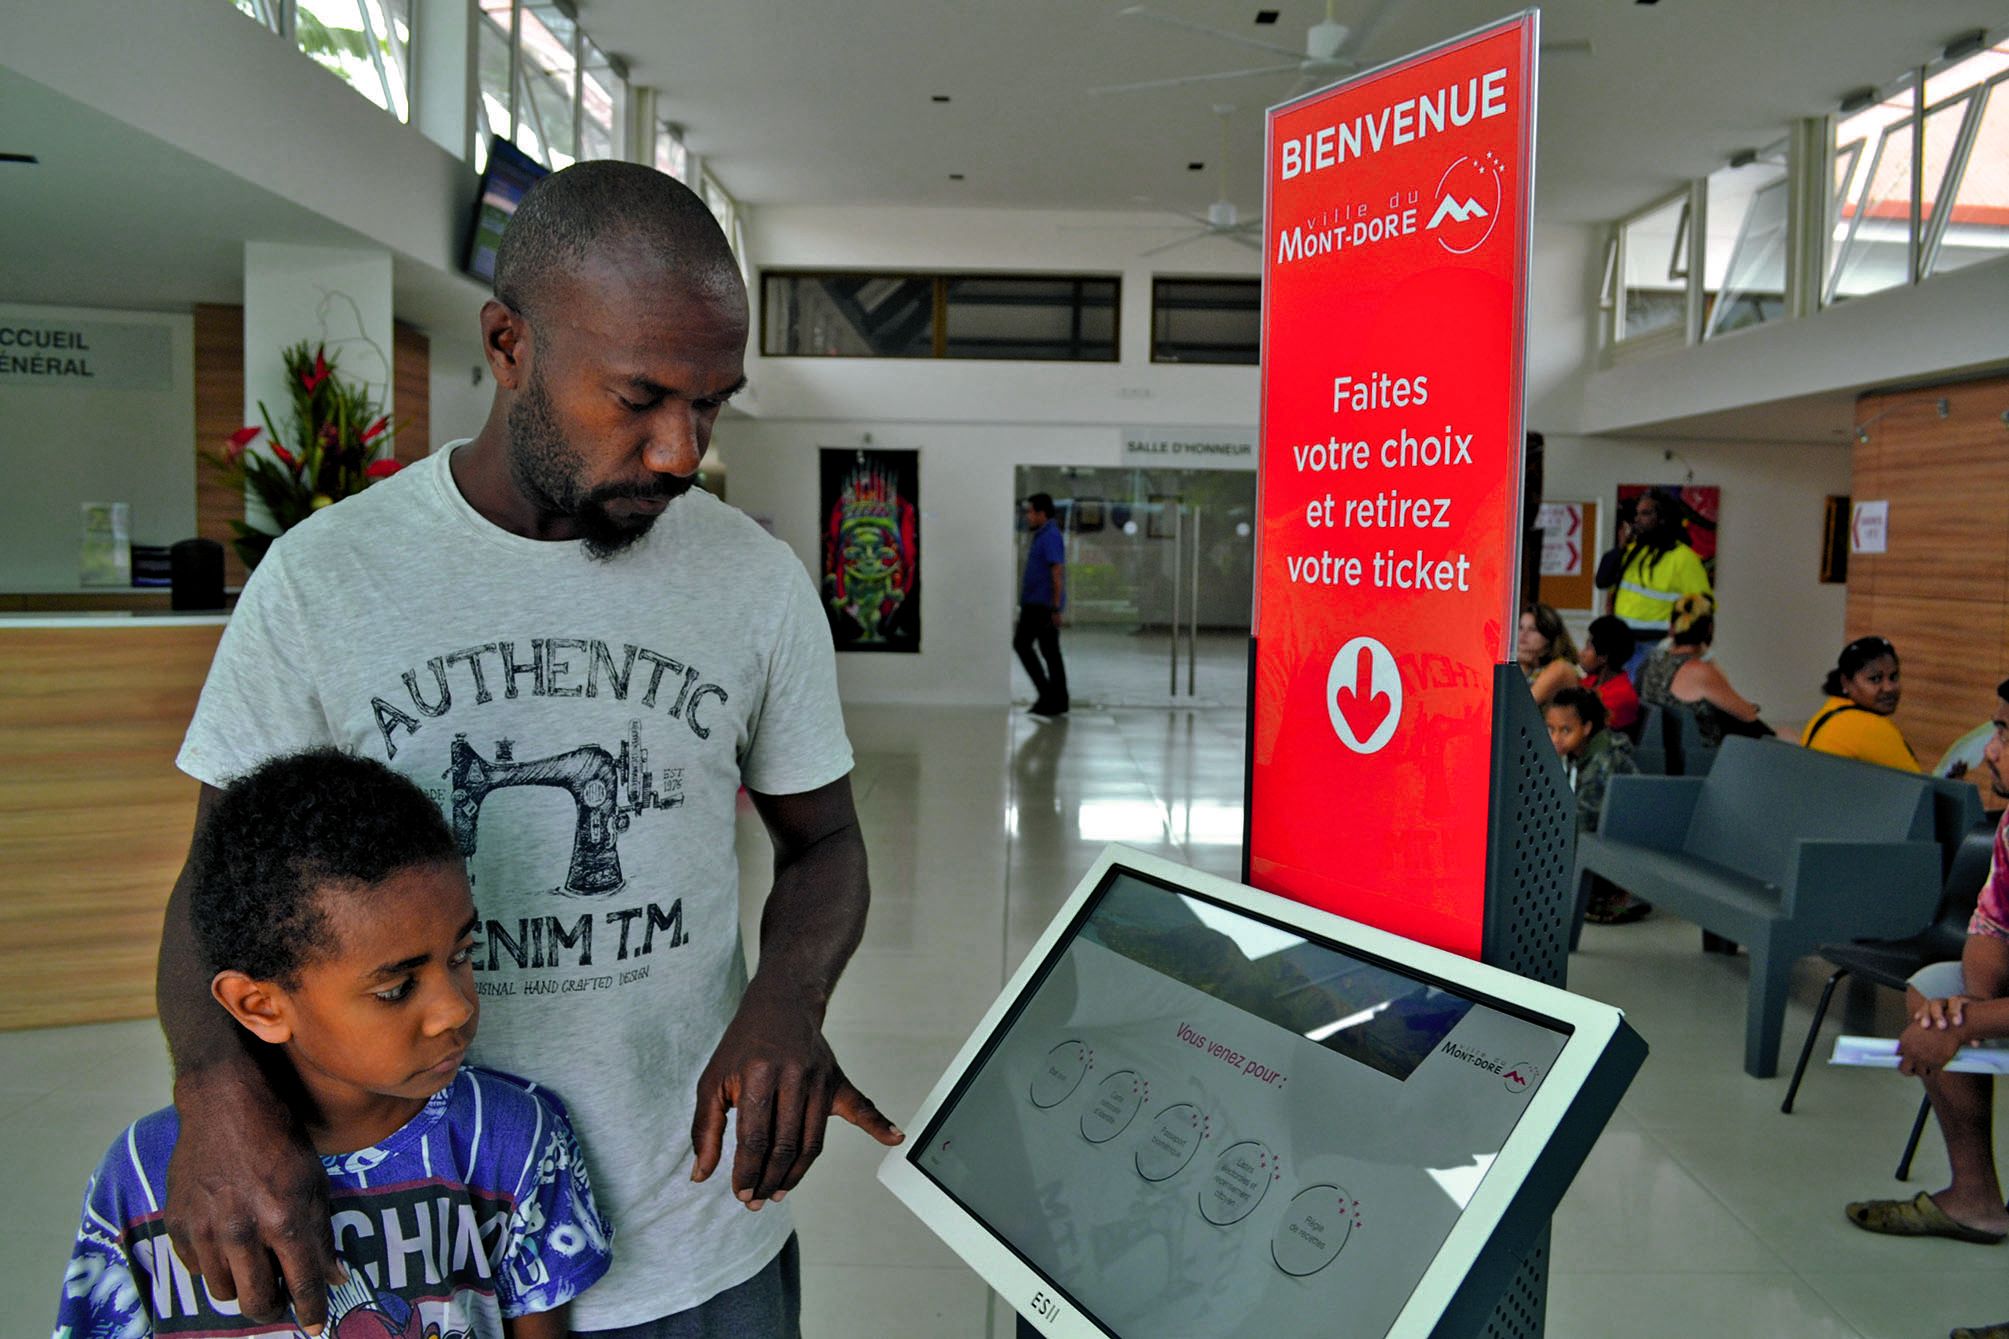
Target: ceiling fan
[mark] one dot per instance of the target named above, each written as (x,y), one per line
(1222,219)
(1322,60)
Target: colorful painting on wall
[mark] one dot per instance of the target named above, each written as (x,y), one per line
(872,548)
(1699,507)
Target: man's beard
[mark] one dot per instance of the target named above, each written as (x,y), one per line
(546,469)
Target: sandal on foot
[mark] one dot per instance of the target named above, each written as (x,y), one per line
(1920,1217)
(1983,1332)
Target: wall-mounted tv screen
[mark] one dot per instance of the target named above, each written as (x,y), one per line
(510,173)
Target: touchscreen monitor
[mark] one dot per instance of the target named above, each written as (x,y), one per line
(1193,1116)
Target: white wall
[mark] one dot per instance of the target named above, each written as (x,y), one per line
(459,404)
(214,83)
(65,445)
(1778,628)
(973,422)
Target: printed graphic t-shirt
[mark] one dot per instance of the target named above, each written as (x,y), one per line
(586,726)
(476,1209)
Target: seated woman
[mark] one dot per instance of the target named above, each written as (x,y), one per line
(1678,678)
(1863,694)
(1592,755)
(1607,649)
(1547,655)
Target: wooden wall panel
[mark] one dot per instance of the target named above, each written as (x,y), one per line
(219,411)
(94,817)
(411,379)
(1941,592)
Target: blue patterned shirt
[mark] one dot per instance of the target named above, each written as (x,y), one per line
(476,1209)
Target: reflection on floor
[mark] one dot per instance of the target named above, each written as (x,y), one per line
(1122,667)
(1703,1211)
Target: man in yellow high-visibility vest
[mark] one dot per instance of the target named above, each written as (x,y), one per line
(1656,569)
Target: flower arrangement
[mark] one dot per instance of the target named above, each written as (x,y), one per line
(334,445)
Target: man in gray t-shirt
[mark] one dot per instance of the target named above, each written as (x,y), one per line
(584,660)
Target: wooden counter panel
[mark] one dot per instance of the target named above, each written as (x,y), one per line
(94,817)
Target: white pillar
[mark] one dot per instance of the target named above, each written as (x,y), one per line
(443,91)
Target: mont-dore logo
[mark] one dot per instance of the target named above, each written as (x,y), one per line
(1521,1076)
(1468,203)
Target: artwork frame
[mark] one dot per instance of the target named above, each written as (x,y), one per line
(869,528)
(1162,519)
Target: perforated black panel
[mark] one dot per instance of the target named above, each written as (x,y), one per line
(1524,1307)
(1530,863)
(1528,894)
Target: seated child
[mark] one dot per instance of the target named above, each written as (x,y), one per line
(1593,754)
(333,912)
(1608,646)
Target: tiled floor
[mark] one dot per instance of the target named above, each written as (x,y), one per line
(1702,1212)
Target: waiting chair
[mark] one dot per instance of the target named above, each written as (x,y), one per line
(1892,962)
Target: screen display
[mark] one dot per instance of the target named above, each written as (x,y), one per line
(508,178)
(1201,1123)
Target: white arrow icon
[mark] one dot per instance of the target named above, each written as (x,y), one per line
(1363,695)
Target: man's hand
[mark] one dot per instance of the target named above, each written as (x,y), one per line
(247,1200)
(1934,1037)
(775,1067)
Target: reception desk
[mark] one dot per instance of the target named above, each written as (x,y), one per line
(94,817)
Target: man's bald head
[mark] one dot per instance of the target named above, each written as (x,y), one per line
(603,210)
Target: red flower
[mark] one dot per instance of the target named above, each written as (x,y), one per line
(312,380)
(238,440)
(286,456)
(376,429)
(383,469)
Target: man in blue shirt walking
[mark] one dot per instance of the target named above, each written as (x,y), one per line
(1041,599)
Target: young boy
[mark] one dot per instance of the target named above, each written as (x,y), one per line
(1607,649)
(1593,754)
(333,913)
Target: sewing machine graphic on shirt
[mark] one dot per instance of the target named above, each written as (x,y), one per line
(607,791)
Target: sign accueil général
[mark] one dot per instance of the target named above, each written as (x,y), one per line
(1394,281)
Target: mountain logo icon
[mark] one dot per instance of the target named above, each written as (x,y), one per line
(1468,203)
(1456,211)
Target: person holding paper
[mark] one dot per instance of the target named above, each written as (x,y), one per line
(1956,1004)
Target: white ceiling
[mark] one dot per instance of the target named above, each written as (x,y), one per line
(796,103)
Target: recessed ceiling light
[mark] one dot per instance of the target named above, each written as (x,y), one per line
(939,97)
(1266,16)
(955,176)
(19,158)
(1196,167)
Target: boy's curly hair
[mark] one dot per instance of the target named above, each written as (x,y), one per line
(285,831)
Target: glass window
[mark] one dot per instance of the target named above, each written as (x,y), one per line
(265,11)
(671,156)
(547,70)
(1206,321)
(1653,260)
(849,315)
(366,42)
(1744,257)
(989,316)
(1072,319)
(491,59)
(603,102)
(1872,227)
(717,201)
(1973,223)
(1976,225)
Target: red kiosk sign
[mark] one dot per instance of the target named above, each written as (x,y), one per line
(1394,281)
